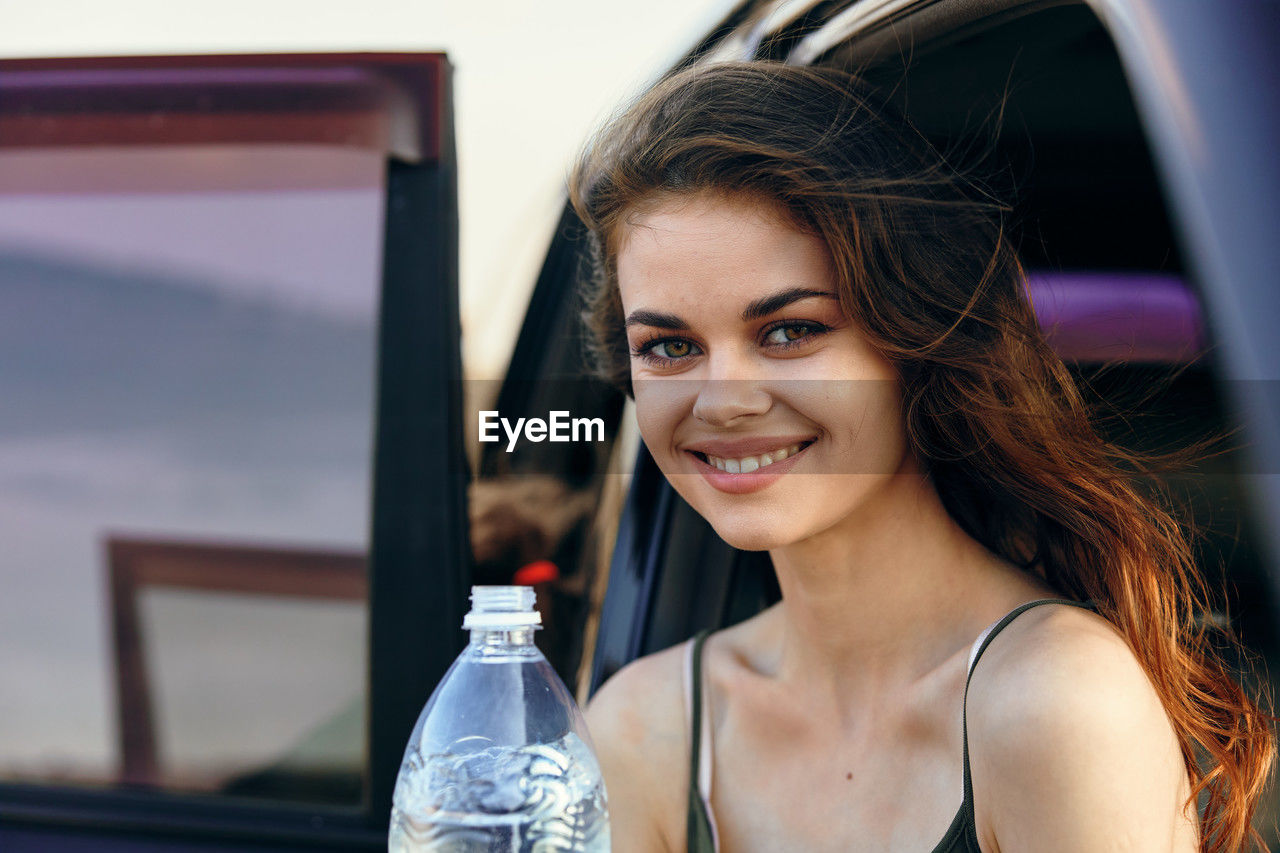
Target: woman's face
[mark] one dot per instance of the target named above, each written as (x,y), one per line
(760,401)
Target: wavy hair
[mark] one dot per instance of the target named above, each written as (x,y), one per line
(925,270)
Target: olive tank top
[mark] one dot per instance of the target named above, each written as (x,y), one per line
(961,836)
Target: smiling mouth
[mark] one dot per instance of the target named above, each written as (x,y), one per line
(750,464)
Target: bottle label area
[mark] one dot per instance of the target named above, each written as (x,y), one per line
(483,797)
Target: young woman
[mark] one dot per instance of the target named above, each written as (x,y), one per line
(987,638)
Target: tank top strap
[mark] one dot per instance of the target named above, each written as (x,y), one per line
(980,646)
(701,828)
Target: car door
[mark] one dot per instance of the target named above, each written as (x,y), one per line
(231,445)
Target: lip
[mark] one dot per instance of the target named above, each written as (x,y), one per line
(741,484)
(736,448)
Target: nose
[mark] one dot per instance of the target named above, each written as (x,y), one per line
(730,392)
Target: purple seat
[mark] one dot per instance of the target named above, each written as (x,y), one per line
(1118,316)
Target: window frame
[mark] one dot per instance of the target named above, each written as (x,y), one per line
(419,568)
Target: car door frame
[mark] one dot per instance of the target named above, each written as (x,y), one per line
(419,563)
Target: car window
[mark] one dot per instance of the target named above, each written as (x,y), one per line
(188,340)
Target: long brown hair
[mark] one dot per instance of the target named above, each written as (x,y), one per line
(925,269)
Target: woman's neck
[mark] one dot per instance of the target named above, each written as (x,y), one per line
(885,597)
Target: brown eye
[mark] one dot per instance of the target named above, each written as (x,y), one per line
(676,349)
(666,351)
(792,333)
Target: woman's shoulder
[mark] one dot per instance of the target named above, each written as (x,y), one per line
(1067,736)
(637,724)
(644,699)
(1056,659)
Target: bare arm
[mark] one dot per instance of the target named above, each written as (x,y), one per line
(636,723)
(1070,747)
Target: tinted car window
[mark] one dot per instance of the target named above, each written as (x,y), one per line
(188,341)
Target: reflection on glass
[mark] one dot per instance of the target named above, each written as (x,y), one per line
(186,355)
(255,695)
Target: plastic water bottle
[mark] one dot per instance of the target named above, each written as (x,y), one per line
(500,760)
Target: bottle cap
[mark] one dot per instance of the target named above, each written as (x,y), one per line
(497,607)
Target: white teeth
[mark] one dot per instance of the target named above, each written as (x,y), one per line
(747,464)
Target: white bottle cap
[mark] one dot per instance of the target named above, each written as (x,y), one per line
(497,607)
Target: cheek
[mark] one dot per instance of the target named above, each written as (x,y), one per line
(660,404)
(862,419)
(880,439)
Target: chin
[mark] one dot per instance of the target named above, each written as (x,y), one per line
(754,542)
(750,534)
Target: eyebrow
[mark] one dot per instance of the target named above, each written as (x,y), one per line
(767,305)
(762,307)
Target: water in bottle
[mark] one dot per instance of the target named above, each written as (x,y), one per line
(500,760)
